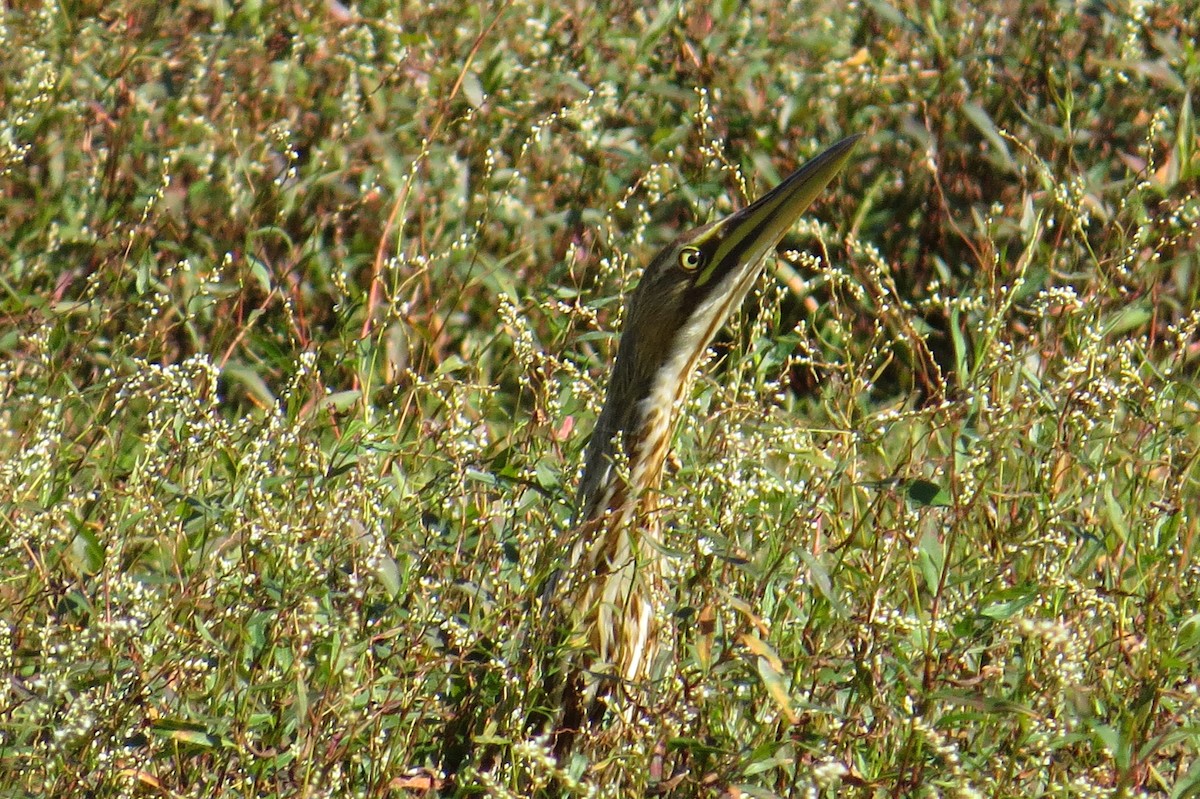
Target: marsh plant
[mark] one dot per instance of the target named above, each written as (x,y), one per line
(307,312)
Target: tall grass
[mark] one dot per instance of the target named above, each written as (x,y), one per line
(306,317)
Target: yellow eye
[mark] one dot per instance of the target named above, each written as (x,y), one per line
(690,259)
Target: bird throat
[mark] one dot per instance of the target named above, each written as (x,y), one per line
(644,428)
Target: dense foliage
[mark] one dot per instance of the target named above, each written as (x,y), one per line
(306,315)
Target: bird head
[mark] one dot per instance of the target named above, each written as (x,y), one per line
(693,284)
(685,295)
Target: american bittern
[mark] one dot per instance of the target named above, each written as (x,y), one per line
(685,295)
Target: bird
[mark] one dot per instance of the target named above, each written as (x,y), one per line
(684,297)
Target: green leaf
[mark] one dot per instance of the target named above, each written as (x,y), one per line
(984,124)
(1006,609)
(301,706)
(261,273)
(927,494)
(820,578)
(931,558)
(473,89)
(482,477)
(341,401)
(1128,319)
(777,687)
(1189,632)
(547,474)
(695,746)
(919,492)
(251,382)
(451,365)
(186,732)
(86,551)
(768,756)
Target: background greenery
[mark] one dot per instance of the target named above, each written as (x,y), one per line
(306,315)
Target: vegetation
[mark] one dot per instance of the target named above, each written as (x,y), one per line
(307,310)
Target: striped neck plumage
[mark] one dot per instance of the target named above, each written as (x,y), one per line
(624,460)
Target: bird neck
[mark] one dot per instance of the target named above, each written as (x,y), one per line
(624,460)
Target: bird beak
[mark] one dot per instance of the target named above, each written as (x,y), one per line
(746,235)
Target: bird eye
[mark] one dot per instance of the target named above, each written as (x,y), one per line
(690,259)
